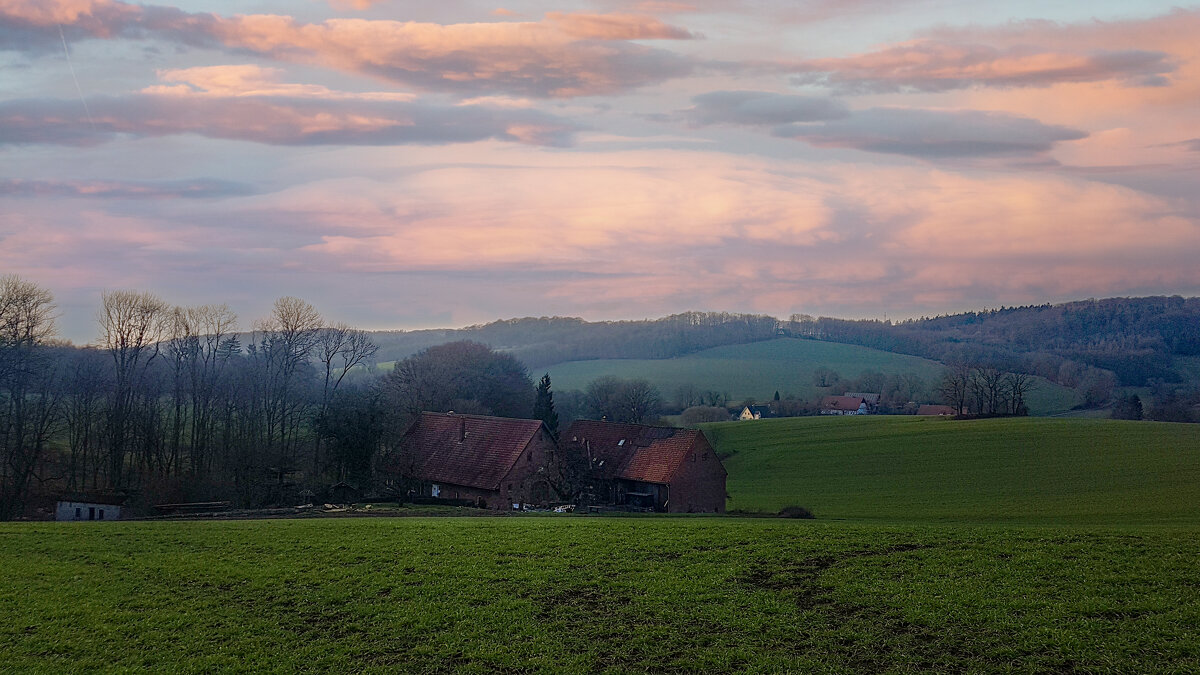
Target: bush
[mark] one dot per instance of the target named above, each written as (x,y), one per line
(703,413)
(796,512)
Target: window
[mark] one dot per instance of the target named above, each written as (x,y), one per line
(621,442)
(91,513)
(101,515)
(78,513)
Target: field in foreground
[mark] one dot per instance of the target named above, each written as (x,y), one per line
(785,365)
(1066,471)
(578,594)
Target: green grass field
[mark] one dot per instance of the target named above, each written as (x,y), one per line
(580,594)
(786,365)
(1015,545)
(1017,470)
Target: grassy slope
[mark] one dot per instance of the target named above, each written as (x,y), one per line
(760,369)
(594,595)
(1001,470)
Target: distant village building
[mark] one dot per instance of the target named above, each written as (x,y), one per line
(659,468)
(871,399)
(844,405)
(493,462)
(930,409)
(85,508)
(755,412)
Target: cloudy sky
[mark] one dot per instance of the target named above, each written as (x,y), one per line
(407,164)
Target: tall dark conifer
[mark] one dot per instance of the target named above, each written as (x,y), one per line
(543,406)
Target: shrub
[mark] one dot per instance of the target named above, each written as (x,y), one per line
(795,512)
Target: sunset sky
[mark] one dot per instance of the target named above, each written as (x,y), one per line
(406,164)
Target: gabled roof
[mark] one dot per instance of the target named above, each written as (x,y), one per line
(634,451)
(468,450)
(869,398)
(842,402)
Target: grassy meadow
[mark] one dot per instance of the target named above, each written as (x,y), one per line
(1019,545)
(1015,470)
(786,365)
(597,594)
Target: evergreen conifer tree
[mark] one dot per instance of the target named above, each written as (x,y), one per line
(543,406)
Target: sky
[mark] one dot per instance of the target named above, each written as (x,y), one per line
(406,164)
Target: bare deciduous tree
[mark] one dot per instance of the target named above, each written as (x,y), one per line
(28,401)
(133,326)
(340,349)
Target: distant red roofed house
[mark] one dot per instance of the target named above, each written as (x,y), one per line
(930,409)
(495,462)
(672,470)
(844,405)
(871,399)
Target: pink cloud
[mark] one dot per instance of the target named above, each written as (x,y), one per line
(716,229)
(253,81)
(1158,52)
(354,4)
(938,66)
(615,27)
(562,56)
(249,103)
(633,233)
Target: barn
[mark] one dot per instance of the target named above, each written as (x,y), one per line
(492,462)
(641,466)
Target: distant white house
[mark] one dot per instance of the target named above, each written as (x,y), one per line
(754,412)
(86,511)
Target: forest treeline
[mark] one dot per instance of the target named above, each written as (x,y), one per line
(1137,340)
(543,341)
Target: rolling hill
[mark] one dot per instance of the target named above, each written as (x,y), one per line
(1019,470)
(785,365)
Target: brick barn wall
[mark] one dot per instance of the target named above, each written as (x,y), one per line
(537,465)
(491,498)
(699,485)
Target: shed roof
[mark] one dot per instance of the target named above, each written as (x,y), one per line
(635,452)
(468,450)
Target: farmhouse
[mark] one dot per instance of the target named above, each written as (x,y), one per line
(493,462)
(665,469)
(844,405)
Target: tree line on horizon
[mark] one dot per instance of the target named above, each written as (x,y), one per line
(183,404)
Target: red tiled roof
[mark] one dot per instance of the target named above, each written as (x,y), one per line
(633,451)
(841,403)
(479,458)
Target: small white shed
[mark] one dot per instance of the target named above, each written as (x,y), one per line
(86,511)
